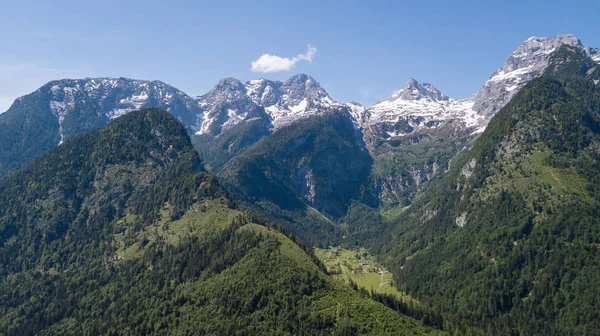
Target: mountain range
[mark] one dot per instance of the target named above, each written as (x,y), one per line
(485,208)
(77,106)
(415,121)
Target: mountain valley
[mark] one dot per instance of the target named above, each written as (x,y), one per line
(267,207)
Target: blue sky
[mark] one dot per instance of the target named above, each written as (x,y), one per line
(364,49)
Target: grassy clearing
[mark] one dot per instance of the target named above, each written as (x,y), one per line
(393,213)
(360,267)
(287,248)
(202,220)
(551,185)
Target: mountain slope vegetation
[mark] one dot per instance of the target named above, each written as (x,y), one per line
(509,240)
(120,231)
(303,174)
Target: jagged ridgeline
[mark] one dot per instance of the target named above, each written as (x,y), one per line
(509,240)
(120,231)
(64,108)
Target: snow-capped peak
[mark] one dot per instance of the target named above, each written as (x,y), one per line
(231,102)
(226,90)
(414,107)
(300,96)
(413,90)
(225,105)
(527,62)
(103,99)
(116,96)
(292,92)
(264,92)
(300,87)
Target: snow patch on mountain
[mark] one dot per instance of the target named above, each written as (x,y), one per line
(231,102)
(226,105)
(63,101)
(299,97)
(109,98)
(415,91)
(527,62)
(418,106)
(357,112)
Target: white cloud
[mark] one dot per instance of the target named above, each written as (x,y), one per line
(272,63)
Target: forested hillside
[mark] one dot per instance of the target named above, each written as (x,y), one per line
(509,240)
(304,175)
(199,214)
(120,231)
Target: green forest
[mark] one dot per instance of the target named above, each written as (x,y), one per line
(146,225)
(508,242)
(121,232)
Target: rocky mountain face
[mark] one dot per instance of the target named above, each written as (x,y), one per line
(226,105)
(64,108)
(417,106)
(99,100)
(299,97)
(527,62)
(231,102)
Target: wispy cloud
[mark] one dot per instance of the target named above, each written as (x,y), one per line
(273,63)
